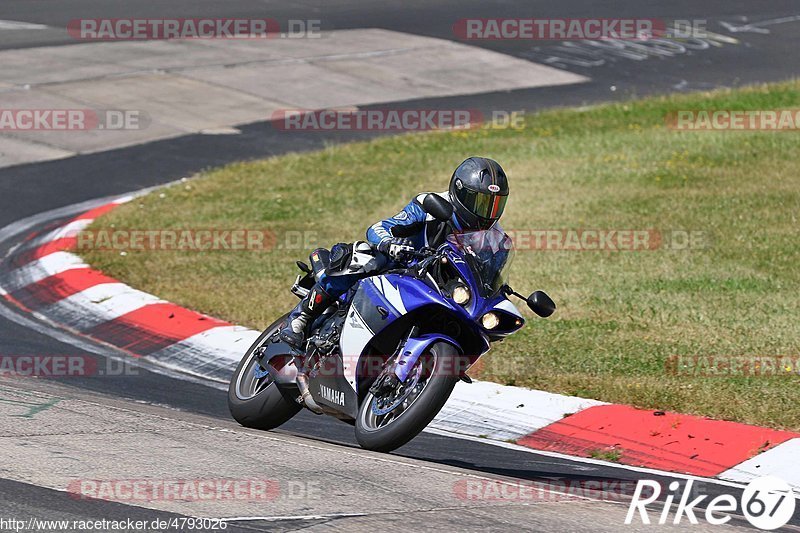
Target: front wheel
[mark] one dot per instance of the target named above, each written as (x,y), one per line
(254,399)
(393,418)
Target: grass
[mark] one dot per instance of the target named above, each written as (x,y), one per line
(612,455)
(621,315)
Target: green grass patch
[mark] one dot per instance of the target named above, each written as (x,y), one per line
(612,455)
(621,314)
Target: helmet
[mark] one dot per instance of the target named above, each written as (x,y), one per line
(478,192)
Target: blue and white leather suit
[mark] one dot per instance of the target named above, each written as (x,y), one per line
(423,230)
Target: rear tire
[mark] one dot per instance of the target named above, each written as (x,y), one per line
(414,418)
(268,408)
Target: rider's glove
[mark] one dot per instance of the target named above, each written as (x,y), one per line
(395,247)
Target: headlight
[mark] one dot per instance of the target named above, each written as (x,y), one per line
(490,320)
(461,294)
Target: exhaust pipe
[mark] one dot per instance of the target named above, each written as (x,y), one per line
(305,394)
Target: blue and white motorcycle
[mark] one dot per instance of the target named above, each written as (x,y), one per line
(386,356)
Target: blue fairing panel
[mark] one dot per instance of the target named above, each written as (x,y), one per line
(380,300)
(405,294)
(373,306)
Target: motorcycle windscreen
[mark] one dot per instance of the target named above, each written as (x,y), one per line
(489,254)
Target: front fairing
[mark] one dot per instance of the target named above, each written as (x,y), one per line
(480,305)
(382,300)
(488,254)
(402,294)
(481,260)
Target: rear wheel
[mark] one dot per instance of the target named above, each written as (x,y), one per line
(254,399)
(392,418)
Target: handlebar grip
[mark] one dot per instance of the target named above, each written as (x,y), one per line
(421,254)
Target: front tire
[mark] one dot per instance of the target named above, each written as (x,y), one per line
(386,432)
(259,403)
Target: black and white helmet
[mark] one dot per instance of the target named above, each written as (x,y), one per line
(478,192)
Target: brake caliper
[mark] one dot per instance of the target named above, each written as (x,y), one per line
(385,384)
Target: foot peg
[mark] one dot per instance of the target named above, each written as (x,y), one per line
(290,337)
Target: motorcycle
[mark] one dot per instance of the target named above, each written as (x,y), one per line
(386,356)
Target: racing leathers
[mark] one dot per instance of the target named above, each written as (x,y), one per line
(418,227)
(341,268)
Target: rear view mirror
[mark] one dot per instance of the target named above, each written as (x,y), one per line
(438,207)
(541,304)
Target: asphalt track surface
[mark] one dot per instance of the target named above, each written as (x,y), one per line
(761,57)
(31,189)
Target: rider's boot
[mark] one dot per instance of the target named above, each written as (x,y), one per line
(294,331)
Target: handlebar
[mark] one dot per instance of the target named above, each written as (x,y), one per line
(420,254)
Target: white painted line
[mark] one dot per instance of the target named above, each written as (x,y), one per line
(502,412)
(96,305)
(69,230)
(40,269)
(781,461)
(56,331)
(213,373)
(15,25)
(584,460)
(14,229)
(212,354)
(295,517)
(225,341)
(125,199)
(221,131)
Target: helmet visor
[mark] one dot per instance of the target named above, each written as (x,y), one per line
(483,205)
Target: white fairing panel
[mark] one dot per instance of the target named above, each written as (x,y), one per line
(391,293)
(354,338)
(508,307)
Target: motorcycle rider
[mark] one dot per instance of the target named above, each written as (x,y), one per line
(478,193)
